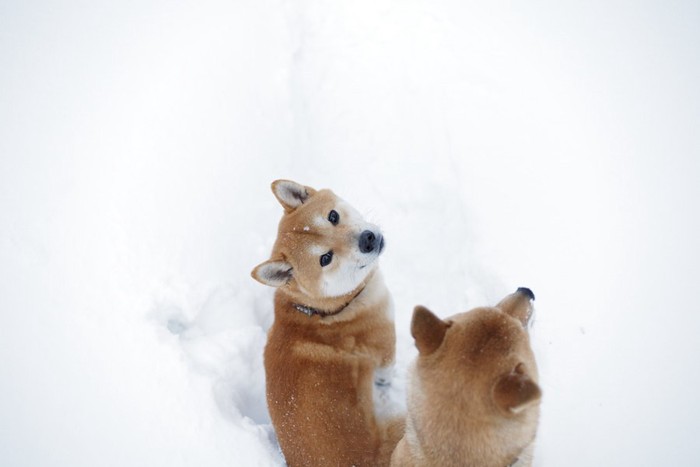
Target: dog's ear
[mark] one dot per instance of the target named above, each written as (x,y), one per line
(274,273)
(518,305)
(516,391)
(291,194)
(428,330)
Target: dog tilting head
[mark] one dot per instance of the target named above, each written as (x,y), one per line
(474,394)
(333,334)
(324,247)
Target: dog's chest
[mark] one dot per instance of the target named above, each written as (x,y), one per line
(348,344)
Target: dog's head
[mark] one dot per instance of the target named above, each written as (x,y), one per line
(324,247)
(480,359)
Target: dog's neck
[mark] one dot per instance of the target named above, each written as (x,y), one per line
(447,446)
(323,306)
(309,311)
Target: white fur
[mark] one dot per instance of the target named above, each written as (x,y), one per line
(385,407)
(320,222)
(344,278)
(317,250)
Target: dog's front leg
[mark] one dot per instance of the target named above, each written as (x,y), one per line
(384,405)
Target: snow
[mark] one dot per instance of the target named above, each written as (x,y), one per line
(550,146)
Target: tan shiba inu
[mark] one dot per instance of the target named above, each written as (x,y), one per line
(473,397)
(333,335)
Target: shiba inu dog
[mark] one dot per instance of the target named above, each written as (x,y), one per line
(333,333)
(473,397)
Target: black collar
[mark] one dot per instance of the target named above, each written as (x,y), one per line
(309,311)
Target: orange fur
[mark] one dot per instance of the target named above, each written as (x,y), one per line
(320,368)
(473,396)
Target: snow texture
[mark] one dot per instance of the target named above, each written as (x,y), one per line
(547,145)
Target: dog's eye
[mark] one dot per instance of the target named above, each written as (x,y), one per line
(326,259)
(334,217)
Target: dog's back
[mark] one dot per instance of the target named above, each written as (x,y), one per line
(473,396)
(333,331)
(320,381)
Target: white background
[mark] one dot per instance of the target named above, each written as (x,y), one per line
(544,145)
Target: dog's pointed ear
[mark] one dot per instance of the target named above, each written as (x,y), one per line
(428,330)
(274,273)
(516,391)
(518,305)
(291,194)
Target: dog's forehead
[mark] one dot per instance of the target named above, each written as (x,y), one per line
(321,204)
(317,206)
(313,215)
(307,231)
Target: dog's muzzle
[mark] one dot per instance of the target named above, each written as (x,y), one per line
(369,242)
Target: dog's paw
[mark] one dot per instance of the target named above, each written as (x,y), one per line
(383,377)
(384,394)
(382,383)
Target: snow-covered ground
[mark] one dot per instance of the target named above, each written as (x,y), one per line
(498,145)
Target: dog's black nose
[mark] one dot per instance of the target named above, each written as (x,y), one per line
(527,292)
(368,241)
